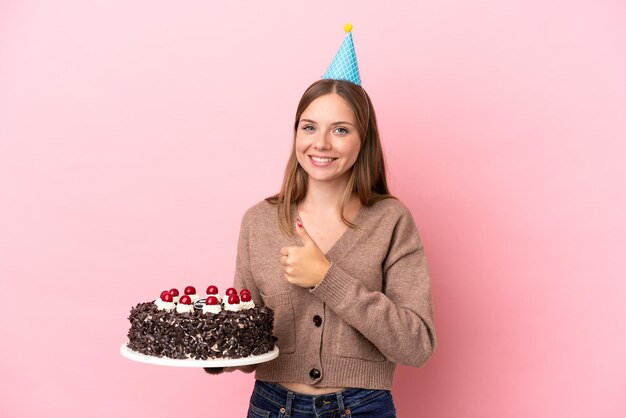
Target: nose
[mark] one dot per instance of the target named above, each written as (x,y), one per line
(322,140)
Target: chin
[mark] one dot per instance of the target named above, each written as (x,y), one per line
(328,179)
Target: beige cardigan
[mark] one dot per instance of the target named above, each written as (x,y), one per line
(372,310)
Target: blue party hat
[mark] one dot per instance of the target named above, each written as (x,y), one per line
(344,65)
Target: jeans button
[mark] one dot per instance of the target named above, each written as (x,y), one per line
(315,374)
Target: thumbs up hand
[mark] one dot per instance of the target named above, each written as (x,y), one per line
(304,266)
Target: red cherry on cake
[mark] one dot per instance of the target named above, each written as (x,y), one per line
(165,292)
(242,291)
(233,299)
(185,300)
(231,291)
(190,290)
(166,297)
(211,300)
(174,292)
(211,290)
(245,297)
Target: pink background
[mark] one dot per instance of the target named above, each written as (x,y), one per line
(135,134)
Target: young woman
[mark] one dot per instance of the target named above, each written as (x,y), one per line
(340,262)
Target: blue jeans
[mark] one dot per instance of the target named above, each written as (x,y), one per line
(271,400)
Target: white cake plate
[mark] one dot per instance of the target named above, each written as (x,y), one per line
(218,362)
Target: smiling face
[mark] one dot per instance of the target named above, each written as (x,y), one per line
(327,141)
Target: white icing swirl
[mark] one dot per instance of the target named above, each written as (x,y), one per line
(214,309)
(182,308)
(247,305)
(235,307)
(164,306)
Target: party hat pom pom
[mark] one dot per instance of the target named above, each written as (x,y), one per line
(347,27)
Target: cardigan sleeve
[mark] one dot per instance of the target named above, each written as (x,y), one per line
(243,272)
(399,319)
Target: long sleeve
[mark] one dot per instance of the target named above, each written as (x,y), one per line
(243,272)
(398,319)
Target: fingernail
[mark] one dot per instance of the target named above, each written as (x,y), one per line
(299,222)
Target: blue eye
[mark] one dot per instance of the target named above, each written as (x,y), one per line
(308,128)
(342,131)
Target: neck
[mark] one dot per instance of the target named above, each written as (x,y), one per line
(324,197)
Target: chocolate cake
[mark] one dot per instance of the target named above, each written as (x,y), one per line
(210,329)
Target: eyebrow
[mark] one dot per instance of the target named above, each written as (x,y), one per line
(341,122)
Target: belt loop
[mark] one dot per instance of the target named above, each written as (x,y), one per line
(290,396)
(340,403)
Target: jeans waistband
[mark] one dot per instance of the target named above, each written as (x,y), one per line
(313,404)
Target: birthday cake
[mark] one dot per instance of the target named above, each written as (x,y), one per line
(201,328)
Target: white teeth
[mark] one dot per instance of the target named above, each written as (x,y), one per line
(322,160)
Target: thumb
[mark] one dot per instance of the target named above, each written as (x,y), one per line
(301,231)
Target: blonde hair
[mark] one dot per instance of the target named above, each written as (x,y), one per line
(367,176)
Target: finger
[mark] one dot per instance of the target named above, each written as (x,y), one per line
(284,251)
(301,231)
(214,370)
(283,260)
(248,369)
